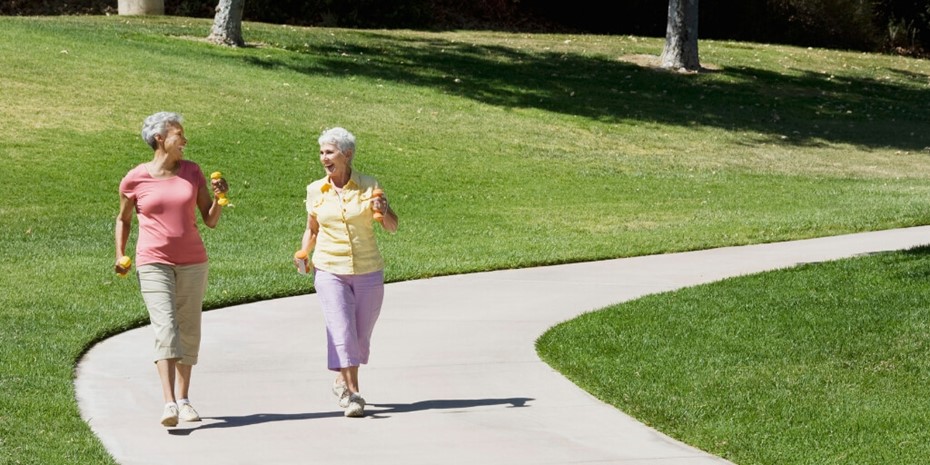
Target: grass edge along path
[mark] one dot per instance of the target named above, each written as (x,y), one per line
(816,364)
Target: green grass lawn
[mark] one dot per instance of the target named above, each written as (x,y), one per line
(820,364)
(498,151)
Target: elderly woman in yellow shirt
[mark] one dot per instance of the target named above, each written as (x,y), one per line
(348,268)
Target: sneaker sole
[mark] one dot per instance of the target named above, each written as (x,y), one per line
(355,407)
(169,421)
(355,411)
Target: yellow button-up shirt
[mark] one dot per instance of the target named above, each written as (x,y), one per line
(345,243)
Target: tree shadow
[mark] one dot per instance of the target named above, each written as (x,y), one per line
(796,108)
(920,251)
(915,269)
(380,411)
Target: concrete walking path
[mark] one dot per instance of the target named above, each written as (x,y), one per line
(454,377)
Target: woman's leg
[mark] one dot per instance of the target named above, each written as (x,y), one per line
(369,295)
(166,370)
(338,304)
(368,291)
(157,283)
(350,375)
(184,380)
(351,306)
(191,286)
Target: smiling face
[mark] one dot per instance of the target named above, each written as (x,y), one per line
(338,165)
(174,141)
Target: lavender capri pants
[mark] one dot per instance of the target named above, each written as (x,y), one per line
(351,305)
(174,298)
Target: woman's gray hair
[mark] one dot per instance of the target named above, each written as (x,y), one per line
(341,138)
(157,124)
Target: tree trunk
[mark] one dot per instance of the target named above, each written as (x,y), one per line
(227,24)
(140,7)
(681,36)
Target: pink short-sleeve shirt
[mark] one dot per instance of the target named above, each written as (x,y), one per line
(167,212)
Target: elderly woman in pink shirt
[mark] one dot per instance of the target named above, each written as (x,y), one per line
(348,268)
(166,193)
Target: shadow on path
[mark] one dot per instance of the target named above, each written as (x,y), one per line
(254,419)
(380,412)
(444,404)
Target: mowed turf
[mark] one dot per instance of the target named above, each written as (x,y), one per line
(498,151)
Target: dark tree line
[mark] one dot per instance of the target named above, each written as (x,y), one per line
(901,26)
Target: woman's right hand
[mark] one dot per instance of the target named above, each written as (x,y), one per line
(122,265)
(302,262)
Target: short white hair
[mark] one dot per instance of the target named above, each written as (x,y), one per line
(157,125)
(341,138)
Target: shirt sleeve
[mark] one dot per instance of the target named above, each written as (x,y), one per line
(197,175)
(127,185)
(311,199)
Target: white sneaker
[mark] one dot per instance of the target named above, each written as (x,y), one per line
(170,416)
(187,413)
(342,392)
(356,406)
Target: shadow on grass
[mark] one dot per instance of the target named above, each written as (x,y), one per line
(921,251)
(800,109)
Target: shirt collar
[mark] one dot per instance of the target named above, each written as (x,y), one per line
(353,179)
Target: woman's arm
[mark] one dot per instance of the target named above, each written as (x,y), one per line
(389,220)
(123,227)
(309,240)
(210,210)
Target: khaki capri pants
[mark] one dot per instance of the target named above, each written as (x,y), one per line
(173,295)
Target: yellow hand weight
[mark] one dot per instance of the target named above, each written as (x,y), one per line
(125,263)
(221,197)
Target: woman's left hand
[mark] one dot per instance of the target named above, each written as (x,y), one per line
(379,204)
(219,186)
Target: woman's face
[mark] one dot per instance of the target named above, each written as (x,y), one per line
(175,141)
(335,162)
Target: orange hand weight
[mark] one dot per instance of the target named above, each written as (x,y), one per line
(303,265)
(378,215)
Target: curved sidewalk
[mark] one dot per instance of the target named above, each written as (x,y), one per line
(454,377)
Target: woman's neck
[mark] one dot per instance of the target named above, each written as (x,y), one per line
(340,181)
(162,165)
